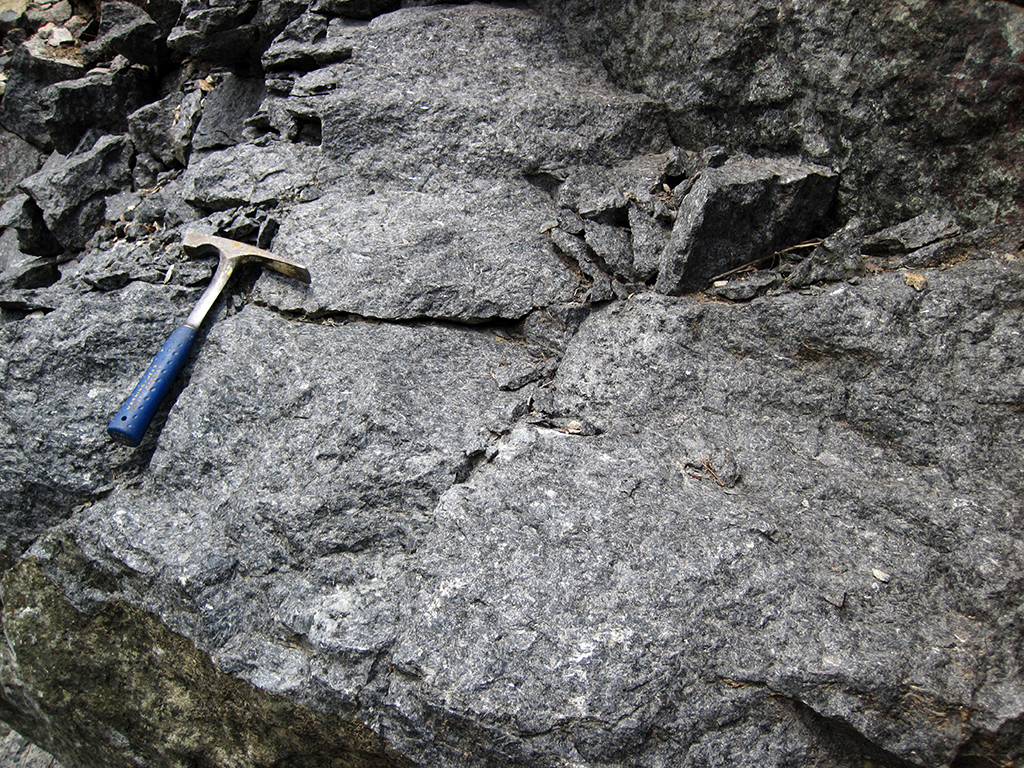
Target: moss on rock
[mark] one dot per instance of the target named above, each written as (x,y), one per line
(122,689)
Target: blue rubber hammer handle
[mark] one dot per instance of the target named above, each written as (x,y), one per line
(129,424)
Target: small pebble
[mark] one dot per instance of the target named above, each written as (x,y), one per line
(915,280)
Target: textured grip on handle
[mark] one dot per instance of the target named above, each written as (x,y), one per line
(130,423)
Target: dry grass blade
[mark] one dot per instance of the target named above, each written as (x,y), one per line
(776,254)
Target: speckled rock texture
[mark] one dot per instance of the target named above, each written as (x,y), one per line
(656,399)
(903,97)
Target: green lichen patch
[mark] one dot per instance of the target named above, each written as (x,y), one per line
(117,687)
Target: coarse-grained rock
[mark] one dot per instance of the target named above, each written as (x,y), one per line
(216,30)
(480,495)
(911,235)
(268,172)
(803,523)
(225,111)
(603,192)
(54,109)
(21,160)
(403,255)
(873,90)
(17,752)
(71,190)
(837,257)
(612,246)
(165,128)
(477,90)
(648,238)
(54,401)
(305,45)
(24,217)
(745,287)
(33,69)
(739,212)
(23,271)
(126,29)
(101,100)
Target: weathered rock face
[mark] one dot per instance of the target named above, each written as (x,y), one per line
(594,441)
(900,97)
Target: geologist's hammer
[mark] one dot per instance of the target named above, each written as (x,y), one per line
(130,423)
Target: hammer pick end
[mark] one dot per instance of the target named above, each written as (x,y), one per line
(197,243)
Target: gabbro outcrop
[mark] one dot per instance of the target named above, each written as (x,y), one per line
(656,400)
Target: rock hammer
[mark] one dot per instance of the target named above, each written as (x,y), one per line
(130,423)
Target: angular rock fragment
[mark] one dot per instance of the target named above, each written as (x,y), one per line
(100,100)
(25,217)
(913,234)
(611,245)
(55,12)
(29,272)
(52,107)
(305,45)
(580,255)
(126,29)
(648,238)
(216,30)
(22,271)
(32,71)
(165,128)
(225,111)
(272,171)
(71,191)
(10,13)
(17,752)
(738,212)
(745,288)
(837,257)
(467,255)
(603,192)
(164,12)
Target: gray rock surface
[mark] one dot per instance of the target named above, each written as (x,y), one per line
(484,493)
(225,111)
(868,89)
(216,30)
(165,128)
(16,752)
(837,257)
(739,212)
(21,159)
(70,190)
(126,29)
(54,109)
(21,215)
(32,71)
(475,91)
(467,255)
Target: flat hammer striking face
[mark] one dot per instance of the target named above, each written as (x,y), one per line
(129,424)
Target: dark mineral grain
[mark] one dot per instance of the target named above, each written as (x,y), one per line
(656,399)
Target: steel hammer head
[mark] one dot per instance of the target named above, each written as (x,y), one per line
(232,253)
